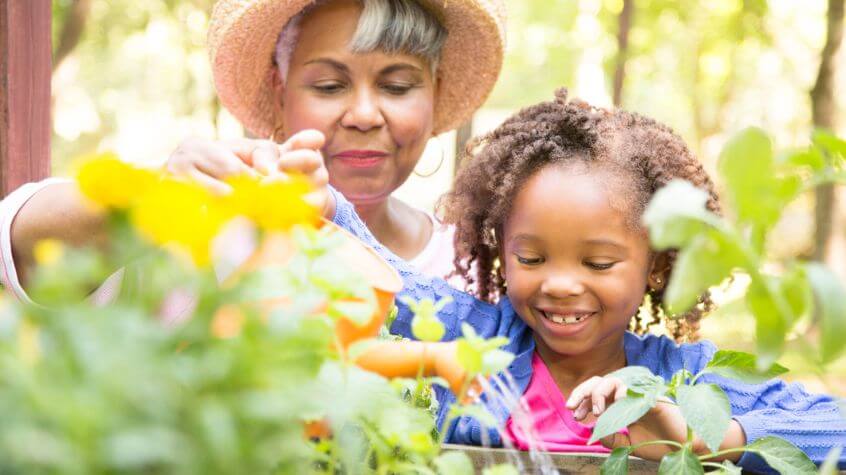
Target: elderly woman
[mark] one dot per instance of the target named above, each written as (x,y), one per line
(375,78)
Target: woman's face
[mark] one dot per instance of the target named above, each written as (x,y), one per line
(376,109)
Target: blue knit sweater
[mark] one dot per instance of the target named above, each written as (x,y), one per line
(813,423)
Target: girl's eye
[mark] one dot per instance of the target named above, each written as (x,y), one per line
(328,88)
(397,89)
(529,261)
(600,265)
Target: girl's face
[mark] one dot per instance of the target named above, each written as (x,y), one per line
(576,269)
(375,109)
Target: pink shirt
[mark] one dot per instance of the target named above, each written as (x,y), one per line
(553,426)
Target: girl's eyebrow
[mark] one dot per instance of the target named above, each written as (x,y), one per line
(605,242)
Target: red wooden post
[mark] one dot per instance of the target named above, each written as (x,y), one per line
(25,72)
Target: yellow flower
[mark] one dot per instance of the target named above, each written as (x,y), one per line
(273,205)
(179,213)
(48,251)
(109,182)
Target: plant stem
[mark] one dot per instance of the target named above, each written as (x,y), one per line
(724,452)
(657,442)
(712,464)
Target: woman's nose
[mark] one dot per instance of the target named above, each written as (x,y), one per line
(363,112)
(560,285)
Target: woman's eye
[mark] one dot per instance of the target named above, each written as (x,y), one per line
(600,265)
(328,88)
(529,261)
(397,89)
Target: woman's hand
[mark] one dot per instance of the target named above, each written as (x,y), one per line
(663,422)
(210,163)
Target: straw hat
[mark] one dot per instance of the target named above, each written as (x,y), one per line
(243,34)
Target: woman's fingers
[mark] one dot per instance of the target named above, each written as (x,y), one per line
(304,139)
(305,161)
(214,185)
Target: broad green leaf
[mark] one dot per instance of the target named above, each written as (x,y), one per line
(706,261)
(496,360)
(617,462)
(783,456)
(427,329)
(830,309)
(797,292)
(835,146)
(620,414)
(741,366)
(770,322)
(469,357)
(676,214)
(707,410)
(747,167)
(501,469)
(358,312)
(728,468)
(829,466)
(640,380)
(811,158)
(458,463)
(683,462)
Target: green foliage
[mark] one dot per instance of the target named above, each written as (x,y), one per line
(706,410)
(113,389)
(711,249)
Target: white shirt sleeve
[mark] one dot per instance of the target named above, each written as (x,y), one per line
(9,208)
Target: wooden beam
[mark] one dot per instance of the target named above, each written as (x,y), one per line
(25,73)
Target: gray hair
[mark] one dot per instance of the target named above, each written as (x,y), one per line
(391,26)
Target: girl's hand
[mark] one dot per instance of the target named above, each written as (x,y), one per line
(662,422)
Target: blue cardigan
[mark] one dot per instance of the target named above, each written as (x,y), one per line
(813,423)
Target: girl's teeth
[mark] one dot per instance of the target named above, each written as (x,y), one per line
(565,320)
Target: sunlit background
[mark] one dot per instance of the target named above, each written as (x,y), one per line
(137,81)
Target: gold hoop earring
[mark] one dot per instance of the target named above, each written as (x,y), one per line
(441,162)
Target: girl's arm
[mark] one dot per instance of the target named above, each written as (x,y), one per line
(482,316)
(813,422)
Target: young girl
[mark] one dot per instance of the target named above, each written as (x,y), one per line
(547,213)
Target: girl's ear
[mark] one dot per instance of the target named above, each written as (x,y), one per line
(659,272)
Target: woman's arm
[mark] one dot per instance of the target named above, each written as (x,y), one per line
(53,208)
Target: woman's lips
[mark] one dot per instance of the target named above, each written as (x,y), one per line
(360,158)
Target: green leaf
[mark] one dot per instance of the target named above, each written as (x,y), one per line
(830,309)
(359,347)
(741,366)
(811,158)
(829,142)
(620,414)
(704,262)
(634,376)
(707,410)
(676,214)
(458,463)
(469,357)
(496,360)
(782,456)
(770,322)
(427,329)
(360,313)
(617,462)
(747,167)
(501,469)
(682,462)
(728,468)
(829,466)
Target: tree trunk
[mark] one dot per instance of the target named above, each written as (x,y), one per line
(74,25)
(624,25)
(824,110)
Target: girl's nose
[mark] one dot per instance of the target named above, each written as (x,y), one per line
(363,112)
(562,285)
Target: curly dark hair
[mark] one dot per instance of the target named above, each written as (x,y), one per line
(645,154)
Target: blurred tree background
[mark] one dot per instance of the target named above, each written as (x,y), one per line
(134,77)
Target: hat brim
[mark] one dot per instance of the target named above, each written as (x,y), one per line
(242,41)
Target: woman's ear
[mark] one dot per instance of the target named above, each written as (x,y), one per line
(278,89)
(659,271)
